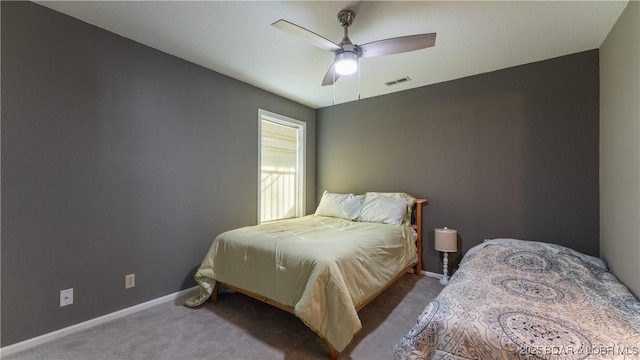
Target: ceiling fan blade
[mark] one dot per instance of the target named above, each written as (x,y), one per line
(397,45)
(330,76)
(308,35)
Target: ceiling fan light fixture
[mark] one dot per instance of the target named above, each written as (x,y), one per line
(346,62)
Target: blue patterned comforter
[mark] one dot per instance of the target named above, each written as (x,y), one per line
(514,299)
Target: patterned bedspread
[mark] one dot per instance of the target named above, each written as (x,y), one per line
(514,299)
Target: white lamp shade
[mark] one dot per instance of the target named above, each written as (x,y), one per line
(446,240)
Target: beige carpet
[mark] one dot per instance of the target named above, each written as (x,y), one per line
(238,327)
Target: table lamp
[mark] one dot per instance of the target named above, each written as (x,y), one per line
(446,241)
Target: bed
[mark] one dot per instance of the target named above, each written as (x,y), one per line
(323,267)
(514,299)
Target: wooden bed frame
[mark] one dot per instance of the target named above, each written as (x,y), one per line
(333,354)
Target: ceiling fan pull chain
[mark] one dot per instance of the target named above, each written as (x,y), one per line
(333,86)
(359,69)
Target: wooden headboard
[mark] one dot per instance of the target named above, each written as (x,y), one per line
(417,225)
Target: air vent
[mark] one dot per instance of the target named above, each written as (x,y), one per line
(399,81)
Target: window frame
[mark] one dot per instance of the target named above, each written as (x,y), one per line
(301,127)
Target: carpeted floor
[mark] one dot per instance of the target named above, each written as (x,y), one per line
(238,327)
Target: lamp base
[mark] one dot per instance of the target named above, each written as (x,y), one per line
(445,270)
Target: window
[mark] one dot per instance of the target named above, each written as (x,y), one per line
(281,165)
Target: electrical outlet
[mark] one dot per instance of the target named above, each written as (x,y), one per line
(129,281)
(66,297)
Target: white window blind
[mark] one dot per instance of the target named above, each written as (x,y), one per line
(281,167)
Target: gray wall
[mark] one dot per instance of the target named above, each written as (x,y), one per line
(620,148)
(511,153)
(116,159)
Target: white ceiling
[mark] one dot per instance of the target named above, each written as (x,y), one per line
(236,38)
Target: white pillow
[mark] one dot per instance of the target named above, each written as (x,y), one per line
(408,199)
(383,209)
(344,206)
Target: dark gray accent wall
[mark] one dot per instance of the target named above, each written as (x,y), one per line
(116,159)
(511,153)
(620,148)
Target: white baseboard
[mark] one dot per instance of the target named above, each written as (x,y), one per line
(54,335)
(432,274)
(426,273)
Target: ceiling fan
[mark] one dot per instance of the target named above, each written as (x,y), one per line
(347,53)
